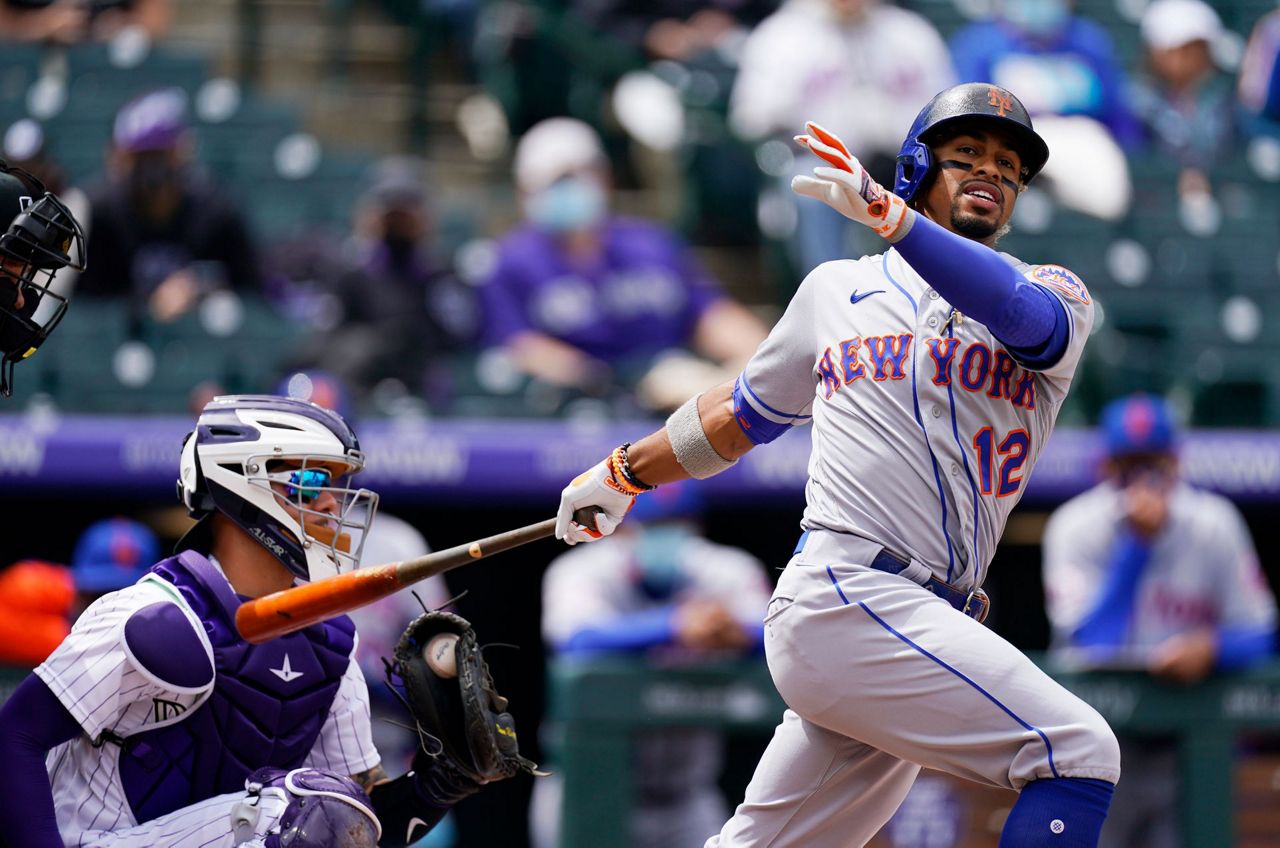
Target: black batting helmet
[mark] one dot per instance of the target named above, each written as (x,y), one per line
(38,236)
(971,101)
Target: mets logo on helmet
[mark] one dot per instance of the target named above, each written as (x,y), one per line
(999,99)
(1062,280)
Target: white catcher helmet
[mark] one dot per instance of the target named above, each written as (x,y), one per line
(242,444)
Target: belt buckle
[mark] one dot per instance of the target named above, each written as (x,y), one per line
(977,605)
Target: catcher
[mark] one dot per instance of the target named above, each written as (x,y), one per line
(154,723)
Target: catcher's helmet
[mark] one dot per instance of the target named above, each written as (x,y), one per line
(980,101)
(243,444)
(38,236)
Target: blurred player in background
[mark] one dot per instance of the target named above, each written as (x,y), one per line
(110,555)
(36,600)
(41,237)
(154,723)
(39,601)
(661,590)
(1144,571)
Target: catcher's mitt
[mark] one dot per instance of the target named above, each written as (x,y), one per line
(462,721)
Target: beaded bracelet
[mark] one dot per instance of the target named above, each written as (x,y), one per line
(620,467)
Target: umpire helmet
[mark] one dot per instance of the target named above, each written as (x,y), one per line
(969,101)
(38,236)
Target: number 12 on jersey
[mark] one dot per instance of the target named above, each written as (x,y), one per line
(1012,454)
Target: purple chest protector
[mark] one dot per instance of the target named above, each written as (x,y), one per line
(267,707)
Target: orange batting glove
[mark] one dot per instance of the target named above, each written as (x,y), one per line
(847,187)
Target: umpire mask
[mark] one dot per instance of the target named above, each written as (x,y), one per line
(41,237)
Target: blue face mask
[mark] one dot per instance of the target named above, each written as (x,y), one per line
(573,203)
(1036,17)
(658,553)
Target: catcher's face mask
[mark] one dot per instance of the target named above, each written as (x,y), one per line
(42,238)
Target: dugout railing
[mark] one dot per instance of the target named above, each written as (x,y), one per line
(600,704)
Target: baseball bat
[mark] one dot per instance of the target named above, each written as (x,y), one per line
(292,609)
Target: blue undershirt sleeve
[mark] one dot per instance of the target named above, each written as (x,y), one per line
(1106,624)
(632,632)
(1241,647)
(32,722)
(978,282)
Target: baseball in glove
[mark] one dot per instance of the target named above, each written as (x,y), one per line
(461,720)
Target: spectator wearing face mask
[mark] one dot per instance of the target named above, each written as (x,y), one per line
(658,589)
(163,235)
(584,299)
(402,309)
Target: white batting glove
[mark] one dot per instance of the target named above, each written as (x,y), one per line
(847,187)
(593,489)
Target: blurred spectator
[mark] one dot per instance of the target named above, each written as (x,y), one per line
(111,554)
(35,611)
(162,233)
(586,300)
(658,589)
(1186,105)
(1065,70)
(1058,62)
(1260,73)
(691,49)
(25,147)
(401,308)
(860,68)
(1145,572)
(72,21)
(675,30)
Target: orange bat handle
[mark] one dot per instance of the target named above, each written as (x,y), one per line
(292,609)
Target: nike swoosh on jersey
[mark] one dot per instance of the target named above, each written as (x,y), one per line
(855,297)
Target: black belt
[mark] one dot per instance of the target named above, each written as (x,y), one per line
(974,604)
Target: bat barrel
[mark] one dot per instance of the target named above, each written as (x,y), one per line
(293,609)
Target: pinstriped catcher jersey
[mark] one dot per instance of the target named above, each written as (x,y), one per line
(96,677)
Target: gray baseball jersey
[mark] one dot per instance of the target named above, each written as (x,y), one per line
(1203,570)
(96,678)
(925,428)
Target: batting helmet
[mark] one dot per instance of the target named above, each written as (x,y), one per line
(39,237)
(980,101)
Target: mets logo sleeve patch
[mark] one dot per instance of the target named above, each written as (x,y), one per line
(1062,280)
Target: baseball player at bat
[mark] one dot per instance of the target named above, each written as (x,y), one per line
(931,375)
(40,237)
(155,723)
